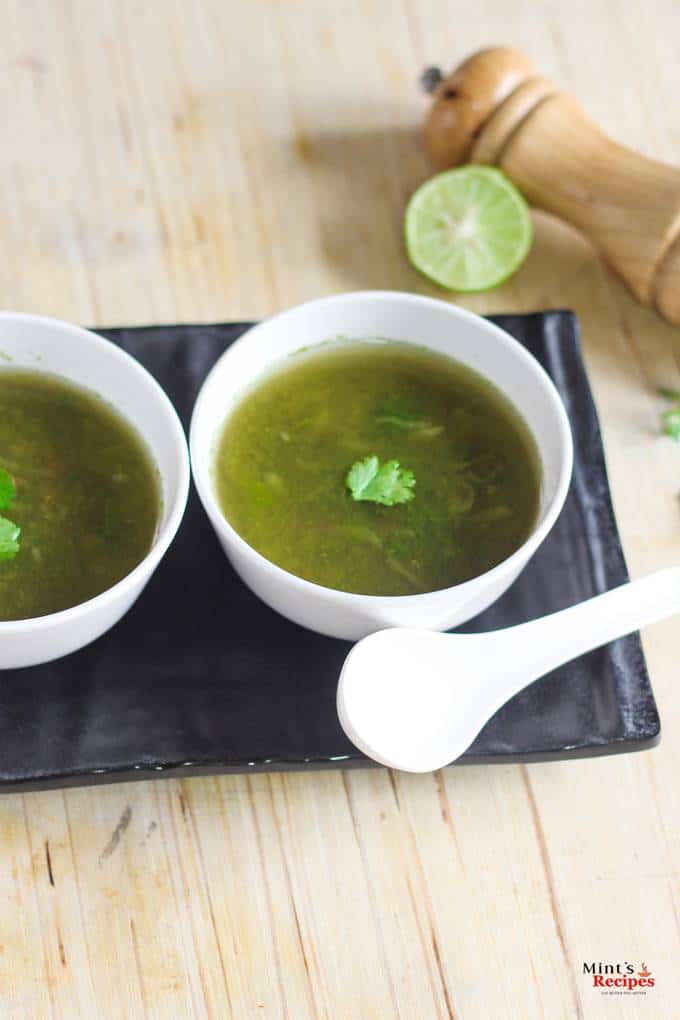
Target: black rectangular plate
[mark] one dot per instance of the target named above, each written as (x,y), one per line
(201,677)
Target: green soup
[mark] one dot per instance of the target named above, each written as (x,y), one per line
(284,454)
(87,495)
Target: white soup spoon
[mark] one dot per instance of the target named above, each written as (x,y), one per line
(416,699)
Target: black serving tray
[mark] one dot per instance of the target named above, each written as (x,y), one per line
(201,677)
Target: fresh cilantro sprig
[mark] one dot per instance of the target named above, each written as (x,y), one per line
(9,532)
(9,539)
(388,484)
(7,489)
(671,418)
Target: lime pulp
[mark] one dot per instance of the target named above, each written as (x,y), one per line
(468,229)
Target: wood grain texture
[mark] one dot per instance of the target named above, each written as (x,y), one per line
(166,161)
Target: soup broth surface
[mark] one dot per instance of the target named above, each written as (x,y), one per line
(87,495)
(285,450)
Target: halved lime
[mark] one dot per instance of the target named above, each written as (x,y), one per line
(468,229)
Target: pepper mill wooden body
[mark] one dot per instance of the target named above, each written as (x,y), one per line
(495,108)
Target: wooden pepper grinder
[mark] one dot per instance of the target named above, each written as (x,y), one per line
(496,108)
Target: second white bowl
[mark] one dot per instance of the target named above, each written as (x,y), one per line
(46,345)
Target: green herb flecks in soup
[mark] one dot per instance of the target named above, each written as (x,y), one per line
(379,468)
(86,495)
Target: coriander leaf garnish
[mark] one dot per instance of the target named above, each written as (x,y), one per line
(7,489)
(387,484)
(9,539)
(671,418)
(9,532)
(671,421)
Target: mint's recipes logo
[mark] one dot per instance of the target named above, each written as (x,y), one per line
(619,978)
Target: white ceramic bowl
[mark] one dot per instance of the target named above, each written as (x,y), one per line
(75,354)
(434,324)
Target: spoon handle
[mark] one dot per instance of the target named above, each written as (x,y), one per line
(544,644)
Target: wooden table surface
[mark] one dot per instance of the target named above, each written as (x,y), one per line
(175,161)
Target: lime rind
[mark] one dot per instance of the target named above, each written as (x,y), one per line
(468,229)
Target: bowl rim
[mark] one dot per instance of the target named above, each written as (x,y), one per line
(517,559)
(175,512)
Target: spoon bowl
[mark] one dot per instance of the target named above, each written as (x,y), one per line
(391,682)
